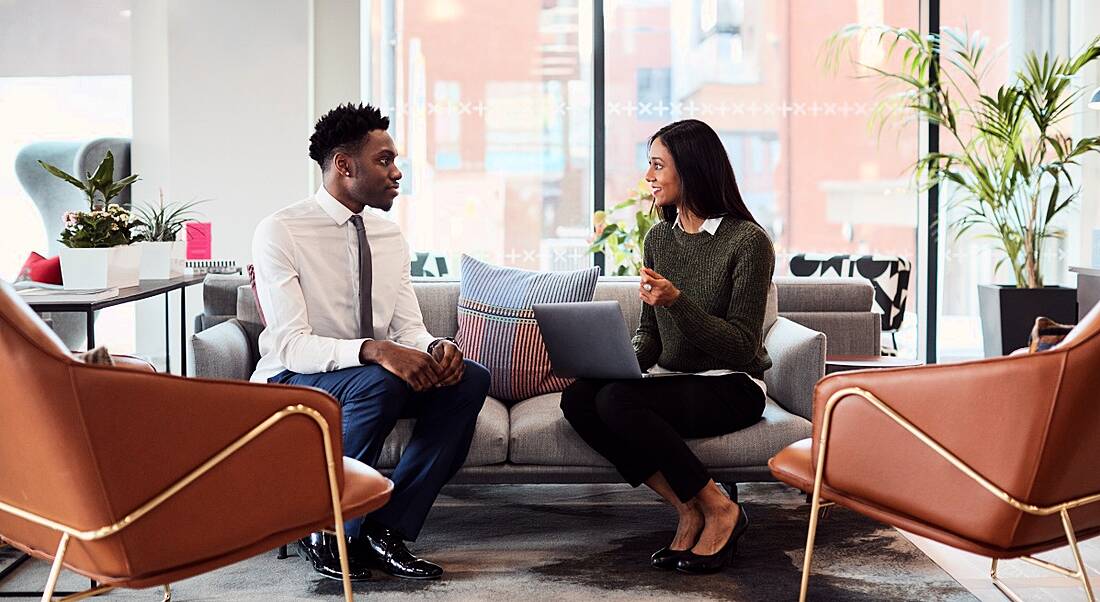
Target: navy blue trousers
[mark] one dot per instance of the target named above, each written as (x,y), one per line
(372,399)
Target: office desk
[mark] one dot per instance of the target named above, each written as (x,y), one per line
(144,290)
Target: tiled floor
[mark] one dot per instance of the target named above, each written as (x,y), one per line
(1030,582)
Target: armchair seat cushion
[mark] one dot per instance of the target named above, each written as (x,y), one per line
(364,489)
(490,445)
(794,465)
(541,435)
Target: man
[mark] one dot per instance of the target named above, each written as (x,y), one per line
(332,277)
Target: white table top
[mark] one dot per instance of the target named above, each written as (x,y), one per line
(1087,271)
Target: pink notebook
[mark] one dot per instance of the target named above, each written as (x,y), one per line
(198,240)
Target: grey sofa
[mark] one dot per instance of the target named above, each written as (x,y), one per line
(530,441)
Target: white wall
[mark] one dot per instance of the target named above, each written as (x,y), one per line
(223,106)
(220,112)
(238,119)
(149,153)
(50,38)
(335,59)
(225,98)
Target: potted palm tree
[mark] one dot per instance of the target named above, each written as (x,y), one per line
(157,229)
(97,251)
(1008,164)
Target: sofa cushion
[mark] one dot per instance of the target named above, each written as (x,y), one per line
(541,435)
(755,445)
(497,328)
(438,305)
(219,294)
(247,308)
(490,444)
(224,351)
(824,294)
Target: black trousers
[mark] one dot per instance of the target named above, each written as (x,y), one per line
(640,425)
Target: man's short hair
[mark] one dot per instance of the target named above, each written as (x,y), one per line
(343,129)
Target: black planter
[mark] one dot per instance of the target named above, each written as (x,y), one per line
(1008,313)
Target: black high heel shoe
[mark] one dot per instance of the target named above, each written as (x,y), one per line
(696,564)
(666,557)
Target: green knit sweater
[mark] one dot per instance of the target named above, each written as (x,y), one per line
(718,321)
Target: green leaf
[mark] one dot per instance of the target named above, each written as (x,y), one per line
(116,188)
(608,230)
(625,204)
(105,172)
(56,172)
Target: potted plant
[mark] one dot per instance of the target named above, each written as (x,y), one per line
(622,242)
(1007,164)
(157,229)
(96,251)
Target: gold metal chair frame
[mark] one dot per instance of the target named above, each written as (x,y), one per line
(1062,509)
(96,534)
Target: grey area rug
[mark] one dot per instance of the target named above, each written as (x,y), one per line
(557,542)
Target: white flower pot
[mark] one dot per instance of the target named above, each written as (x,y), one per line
(162,260)
(101,268)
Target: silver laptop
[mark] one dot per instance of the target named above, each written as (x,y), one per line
(588,340)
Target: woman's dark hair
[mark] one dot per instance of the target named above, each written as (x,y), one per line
(344,129)
(708,187)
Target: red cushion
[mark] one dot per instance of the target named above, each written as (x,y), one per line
(40,269)
(255,295)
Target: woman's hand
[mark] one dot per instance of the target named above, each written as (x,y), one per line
(656,290)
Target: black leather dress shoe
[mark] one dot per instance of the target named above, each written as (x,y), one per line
(712,563)
(387,552)
(666,558)
(321,550)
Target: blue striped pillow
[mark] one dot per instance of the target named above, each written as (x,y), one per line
(497,328)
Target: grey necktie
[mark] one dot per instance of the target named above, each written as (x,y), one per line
(366,315)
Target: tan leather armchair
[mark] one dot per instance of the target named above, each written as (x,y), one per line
(137,479)
(999,457)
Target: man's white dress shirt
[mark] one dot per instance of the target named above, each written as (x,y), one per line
(307,281)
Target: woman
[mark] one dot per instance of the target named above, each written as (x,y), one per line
(708,268)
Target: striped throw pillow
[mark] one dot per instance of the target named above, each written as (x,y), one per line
(497,328)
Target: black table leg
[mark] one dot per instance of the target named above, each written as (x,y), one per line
(8,570)
(167,344)
(90,326)
(183,331)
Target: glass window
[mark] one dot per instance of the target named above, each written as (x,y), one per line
(654,93)
(721,17)
(970,260)
(448,152)
(797,136)
(498,156)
